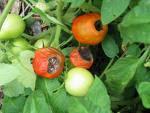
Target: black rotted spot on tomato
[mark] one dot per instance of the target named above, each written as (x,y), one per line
(98,25)
(85,53)
(53,64)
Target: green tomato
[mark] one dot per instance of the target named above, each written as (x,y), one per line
(42,6)
(41,43)
(78,81)
(19,44)
(12,27)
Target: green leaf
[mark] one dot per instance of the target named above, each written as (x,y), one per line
(111,9)
(144,93)
(135,26)
(27,76)
(120,74)
(75,3)
(133,50)
(3,56)
(13,105)
(36,103)
(13,89)
(98,95)
(87,7)
(8,73)
(47,85)
(141,75)
(57,99)
(110,47)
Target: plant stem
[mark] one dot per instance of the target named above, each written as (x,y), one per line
(55,42)
(109,64)
(6,11)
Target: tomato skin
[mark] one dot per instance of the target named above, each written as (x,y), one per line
(78,81)
(19,45)
(40,62)
(84,31)
(78,61)
(12,27)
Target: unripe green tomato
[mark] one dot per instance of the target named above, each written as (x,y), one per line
(18,45)
(42,6)
(41,43)
(12,27)
(78,81)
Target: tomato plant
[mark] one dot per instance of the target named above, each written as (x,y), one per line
(12,27)
(81,57)
(78,81)
(48,62)
(74,56)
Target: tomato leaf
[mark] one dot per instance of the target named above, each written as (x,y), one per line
(13,89)
(57,99)
(120,74)
(98,98)
(36,103)
(135,26)
(142,75)
(133,50)
(111,9)
(13,105)
(110,47)
(8,73)
(27,76)
(75,3)
(143,90)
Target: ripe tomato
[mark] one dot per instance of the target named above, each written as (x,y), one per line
(19,44)
(81,57)
(87,29)
(48,62)
(12,27)
(78,81)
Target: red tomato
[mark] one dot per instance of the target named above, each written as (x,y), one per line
(48,62)
(87,29)
(81,57)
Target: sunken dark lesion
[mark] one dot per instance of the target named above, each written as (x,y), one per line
(85,53)
(53,64)
(98,25)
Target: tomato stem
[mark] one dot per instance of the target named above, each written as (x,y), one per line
(6,11)
(55,42)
